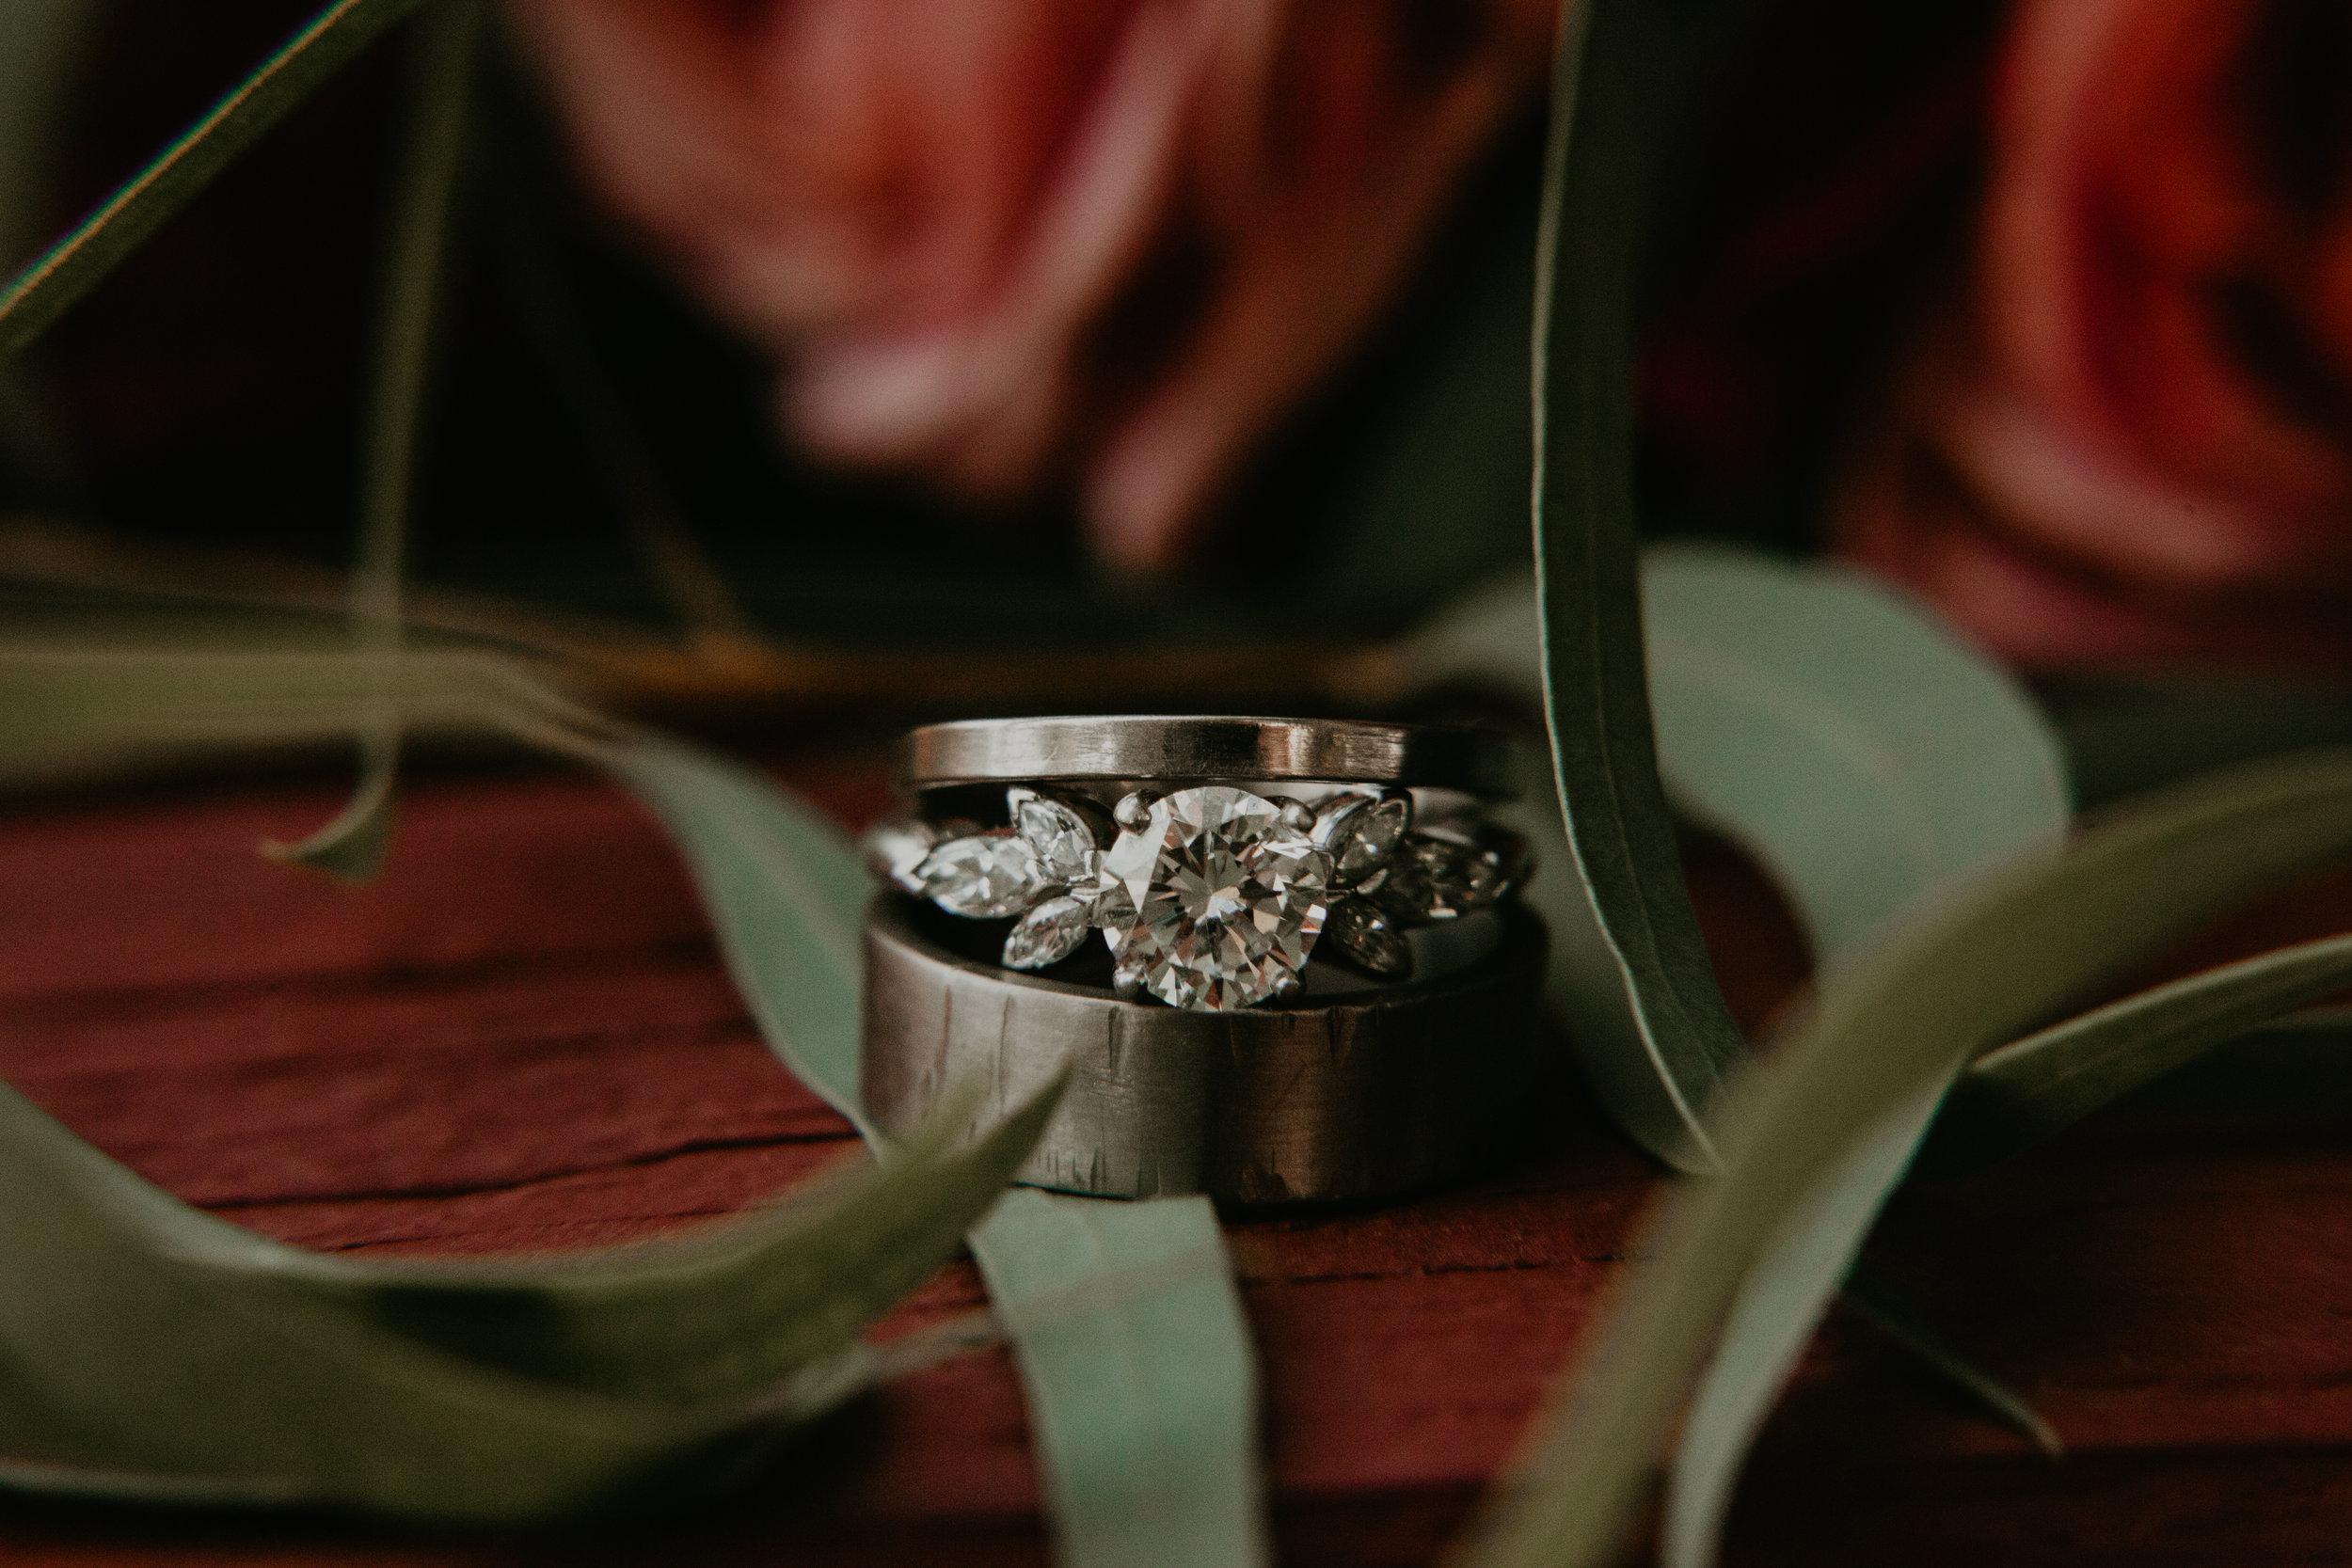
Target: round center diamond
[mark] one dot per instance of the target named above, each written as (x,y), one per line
(1213,903)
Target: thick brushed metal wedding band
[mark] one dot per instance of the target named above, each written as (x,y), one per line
(1175,748)
(1370,1092)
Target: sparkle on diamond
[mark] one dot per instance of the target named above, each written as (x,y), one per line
(983,878)
(1216,902)
(1064,845)
(1047,934)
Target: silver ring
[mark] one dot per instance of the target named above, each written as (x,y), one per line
(1354,1095)
(1211,893)
(1476,762)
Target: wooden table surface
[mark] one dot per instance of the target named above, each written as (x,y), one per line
(521,1039)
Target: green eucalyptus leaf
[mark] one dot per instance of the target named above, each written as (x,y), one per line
(1144,1407)
(71,709)
(1891,1031)
(1769,1320)
(1841,734)
(786,893)
(153,1350)
(1812,1256)
(1652,1029)
(1857,749)
(1868,759)
(731,1311)
(457,1390)
(1864,756)
(1834,728)
(784,890)
(1859,752)
(2026,1091)
(351,846)
(1893,1314)
(76,263)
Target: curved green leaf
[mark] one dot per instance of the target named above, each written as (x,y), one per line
(151,1349)
(2026,1091)
(1849,742)
(1653,1031)
(148,1347)
(786,891)
(1145,1405)
(1769,1320)
(1890,1032)
(1842,734)
(1887,1309)
(75,265)
(1858,751)
(1868,759)
(351,847)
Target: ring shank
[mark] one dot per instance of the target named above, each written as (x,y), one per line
(1385,1091)
(1165,748)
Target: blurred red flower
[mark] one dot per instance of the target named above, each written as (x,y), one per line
(2126,437)
(1012,243)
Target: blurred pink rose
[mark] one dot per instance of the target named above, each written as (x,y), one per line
(1017,244)
(2127,438)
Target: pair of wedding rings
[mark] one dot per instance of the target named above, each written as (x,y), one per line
(1312,982)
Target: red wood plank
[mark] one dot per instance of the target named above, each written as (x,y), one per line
(521,1039)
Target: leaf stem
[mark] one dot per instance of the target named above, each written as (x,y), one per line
(351,846)
(1884,1307)
(76,263)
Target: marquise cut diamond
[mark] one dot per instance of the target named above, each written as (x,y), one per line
(1214,902)
(1361,830)
(1064,843)
(983,878)
(1048,933)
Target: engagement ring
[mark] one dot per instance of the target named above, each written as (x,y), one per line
(1214,855)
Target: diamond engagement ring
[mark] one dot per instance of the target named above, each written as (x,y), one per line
(1215,855)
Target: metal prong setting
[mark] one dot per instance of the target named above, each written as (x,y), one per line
(1298,816)
(1127,981)
(1135,809)
(894,849)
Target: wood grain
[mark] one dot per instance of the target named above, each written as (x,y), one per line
(520,1039)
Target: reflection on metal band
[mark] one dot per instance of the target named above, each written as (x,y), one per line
(1368,1090)
(1146,747)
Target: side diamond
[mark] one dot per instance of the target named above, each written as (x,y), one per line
(983,878)
(1065,844)
(1435,878)
(1368,937)
(1429,882)
(1048,933)
(1360,831)
(1504,862)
